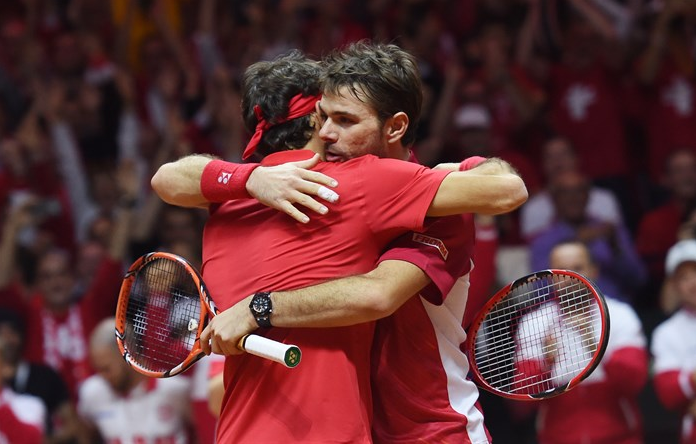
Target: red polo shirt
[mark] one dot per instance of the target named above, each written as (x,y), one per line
(249,247)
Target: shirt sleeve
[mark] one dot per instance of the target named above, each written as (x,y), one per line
(86,400)
(627,369)
(397,193)
(442,251)
(665,349)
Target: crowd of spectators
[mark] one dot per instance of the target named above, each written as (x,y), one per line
(593,101)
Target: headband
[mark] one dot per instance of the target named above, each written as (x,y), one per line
(299,106)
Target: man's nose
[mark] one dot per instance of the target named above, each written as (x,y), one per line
(326,132)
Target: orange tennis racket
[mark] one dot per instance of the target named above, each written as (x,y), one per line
(539,336)
(162,310)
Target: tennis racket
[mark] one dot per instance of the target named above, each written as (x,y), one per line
(539,336)
(162,309)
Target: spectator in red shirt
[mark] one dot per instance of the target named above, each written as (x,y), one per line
(60,314)
(37,380)
(603,409)
(666,71)
(674,341)
(660,227)
(584,87)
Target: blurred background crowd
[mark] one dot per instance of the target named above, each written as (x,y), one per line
(593,101)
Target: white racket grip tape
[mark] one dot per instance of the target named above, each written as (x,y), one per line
(288,355)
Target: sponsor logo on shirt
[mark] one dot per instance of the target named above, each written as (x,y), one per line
(224,177)
(433,242)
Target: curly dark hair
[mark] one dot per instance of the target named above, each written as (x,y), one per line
(384,74)
(271,85)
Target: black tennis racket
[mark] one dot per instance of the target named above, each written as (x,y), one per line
(162,309)
(539,336)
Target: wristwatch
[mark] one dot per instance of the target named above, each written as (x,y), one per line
(261,308)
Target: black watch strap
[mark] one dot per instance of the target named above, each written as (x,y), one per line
(261,308)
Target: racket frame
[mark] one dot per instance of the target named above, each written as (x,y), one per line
(206,303)
(501,295)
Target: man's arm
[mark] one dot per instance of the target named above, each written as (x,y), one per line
(279,187)
(346,301)
(493,187)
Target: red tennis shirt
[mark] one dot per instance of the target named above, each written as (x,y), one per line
(248,247)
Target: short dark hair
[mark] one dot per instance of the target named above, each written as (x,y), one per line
(384,74)
(271,85)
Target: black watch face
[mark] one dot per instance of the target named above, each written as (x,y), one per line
(259,306)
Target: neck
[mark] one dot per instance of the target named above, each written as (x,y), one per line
(316,145)
(398,151)
(58,309)
(132,382)
(8,370)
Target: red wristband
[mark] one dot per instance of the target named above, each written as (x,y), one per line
(471,162)
(222,181)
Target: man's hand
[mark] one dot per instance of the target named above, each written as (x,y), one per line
(224,331)
(283,186)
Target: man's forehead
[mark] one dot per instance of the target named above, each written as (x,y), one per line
(345,102)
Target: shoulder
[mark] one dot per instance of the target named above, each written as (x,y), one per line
(374,162)
(626,328)
(45,373)
(179,385)
(554,233)
(657,215)
(95,389)
(27,408)
(538,199)
(669,328)
(603,195)
(620,309)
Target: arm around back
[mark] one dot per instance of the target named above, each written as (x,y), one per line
(179,182)
(491,188)
(199,180)
(350,300)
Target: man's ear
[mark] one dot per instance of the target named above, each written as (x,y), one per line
(396,127)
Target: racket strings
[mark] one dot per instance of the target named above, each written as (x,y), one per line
(509,311)
(162,315)
(539,337)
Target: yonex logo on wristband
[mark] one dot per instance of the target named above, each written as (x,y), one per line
(224,177)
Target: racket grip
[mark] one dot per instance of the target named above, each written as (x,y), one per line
(288,355)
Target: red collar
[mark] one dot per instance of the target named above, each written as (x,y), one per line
(287,156)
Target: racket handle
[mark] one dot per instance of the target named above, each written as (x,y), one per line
(288,355)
